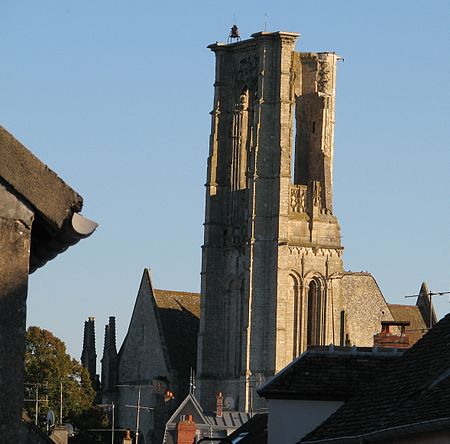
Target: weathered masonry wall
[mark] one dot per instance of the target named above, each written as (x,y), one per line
(268,234)
(15,237)
(273,281)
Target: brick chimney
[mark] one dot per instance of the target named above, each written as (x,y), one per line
(186,430)
(127,439)
(219,405)
(387,339)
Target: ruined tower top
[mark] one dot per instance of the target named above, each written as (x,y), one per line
(272,242)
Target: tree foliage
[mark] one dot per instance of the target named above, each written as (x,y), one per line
(48,364)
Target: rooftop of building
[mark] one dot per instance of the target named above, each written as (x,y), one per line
(227,421)
(179,314)
(254,431)
(329,373)
(412,395)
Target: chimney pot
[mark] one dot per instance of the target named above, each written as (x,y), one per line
(219,405)
(389,340)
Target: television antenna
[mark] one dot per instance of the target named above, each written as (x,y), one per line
(36,399)
(110,406)
(138,406)
(430,294)
(192,383)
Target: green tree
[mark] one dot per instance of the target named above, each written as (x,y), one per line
(48,364)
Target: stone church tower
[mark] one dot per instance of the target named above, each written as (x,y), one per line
(273,281)
(271,266)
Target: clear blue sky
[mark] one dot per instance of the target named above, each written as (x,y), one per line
(114,96)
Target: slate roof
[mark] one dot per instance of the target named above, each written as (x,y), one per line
(179,314)
(329,373)
(228,420)
(411,313)
(254,431)
(412,395)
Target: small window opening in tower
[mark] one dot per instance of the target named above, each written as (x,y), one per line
(314,327)
(295,298)
(342,329)
(241,133)
(294,143)
(314,128)
(300,143)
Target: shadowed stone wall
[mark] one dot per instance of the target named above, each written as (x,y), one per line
(15,235)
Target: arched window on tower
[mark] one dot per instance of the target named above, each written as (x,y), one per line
(294,298)
(228,338)
(241,137)
(316,308)
(240,327)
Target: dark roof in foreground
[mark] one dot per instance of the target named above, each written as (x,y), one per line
(55,205)
(329,373)
(254,431)
(411,396)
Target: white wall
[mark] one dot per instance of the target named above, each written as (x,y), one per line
(290,420)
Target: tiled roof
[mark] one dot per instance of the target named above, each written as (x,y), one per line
(410,395)
(179,315)
(328,373)
(178,300)
(411,313)
(253,431)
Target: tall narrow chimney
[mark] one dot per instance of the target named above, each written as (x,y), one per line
(219,405)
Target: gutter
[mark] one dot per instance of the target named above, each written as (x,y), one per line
(46,246)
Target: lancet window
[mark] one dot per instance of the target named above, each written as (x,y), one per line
(315,313)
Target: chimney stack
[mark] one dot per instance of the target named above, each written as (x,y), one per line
(219,405)
(186,430)
(127,439)
(387,339)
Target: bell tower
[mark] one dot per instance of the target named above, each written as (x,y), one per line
(271,242)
